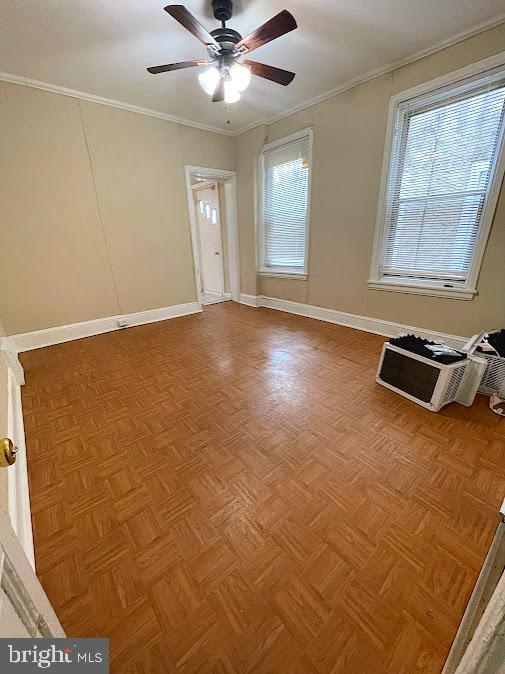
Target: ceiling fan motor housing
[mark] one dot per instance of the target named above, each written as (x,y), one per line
(223,9)
(227,38)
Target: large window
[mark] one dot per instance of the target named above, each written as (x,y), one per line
(285,168)
(437,204)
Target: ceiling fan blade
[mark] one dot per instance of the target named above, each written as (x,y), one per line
(278,75)
(219,92)
(154,70)
(186,19)
(280,24)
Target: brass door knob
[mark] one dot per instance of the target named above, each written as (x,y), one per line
(7,453)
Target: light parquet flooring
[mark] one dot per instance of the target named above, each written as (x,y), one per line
(232,492)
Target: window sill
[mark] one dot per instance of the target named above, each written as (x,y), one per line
(418,289)
(279,273)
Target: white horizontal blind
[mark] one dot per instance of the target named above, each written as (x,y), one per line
(285,198)
(444,155)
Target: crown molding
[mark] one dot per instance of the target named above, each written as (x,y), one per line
(85,96)
(376,72)
(308,103)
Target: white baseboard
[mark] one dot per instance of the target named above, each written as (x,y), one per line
(365,323)
(66,333)
(210,297)
(251,300)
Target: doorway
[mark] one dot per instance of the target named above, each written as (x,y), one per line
(206,203)
(212,212)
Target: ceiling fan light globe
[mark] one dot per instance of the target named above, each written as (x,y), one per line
(231,93)
(240,76)
(209,80)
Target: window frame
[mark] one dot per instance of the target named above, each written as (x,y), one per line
(282,271)
(489,68)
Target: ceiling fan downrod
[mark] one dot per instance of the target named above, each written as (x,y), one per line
(226,37)
(223,10)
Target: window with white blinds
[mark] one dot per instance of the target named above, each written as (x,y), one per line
(285,203)
(443,160)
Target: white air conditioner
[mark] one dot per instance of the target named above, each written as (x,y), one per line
(426,382)
(493,380)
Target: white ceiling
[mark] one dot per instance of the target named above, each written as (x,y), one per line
(102,47)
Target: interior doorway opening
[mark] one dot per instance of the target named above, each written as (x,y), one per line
(207,199)
(212,210)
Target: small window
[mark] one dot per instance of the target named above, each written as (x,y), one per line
(207,211)
(201,206)
(436,211)
(214,216)
(285,202)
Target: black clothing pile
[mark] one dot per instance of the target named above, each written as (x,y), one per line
(497,341)
(423,347)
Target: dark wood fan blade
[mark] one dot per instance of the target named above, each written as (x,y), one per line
(282,23)
(278,75)
(219,92)
(186,19)
(154,70)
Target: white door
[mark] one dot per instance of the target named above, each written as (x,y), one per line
(25,610)
(209,235)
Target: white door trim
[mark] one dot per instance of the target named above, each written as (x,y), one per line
(20,587)
(17,474)
(230,189)
(484,612)
(19,494)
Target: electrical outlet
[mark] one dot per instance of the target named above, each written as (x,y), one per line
(122,323)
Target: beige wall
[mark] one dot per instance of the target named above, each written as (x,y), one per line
(247,148)
(94,210)
(349,132)
(201,148)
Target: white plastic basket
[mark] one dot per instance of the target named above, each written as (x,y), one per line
(493,380)
(428,383)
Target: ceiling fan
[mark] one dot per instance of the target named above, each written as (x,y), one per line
(227,77)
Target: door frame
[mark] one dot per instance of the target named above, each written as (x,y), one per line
(17,475)
(21,588)
(229,178)
(478,634)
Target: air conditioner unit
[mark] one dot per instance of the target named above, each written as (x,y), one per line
(493,380)
(427,382)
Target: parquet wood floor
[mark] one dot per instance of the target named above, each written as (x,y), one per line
(232,492)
